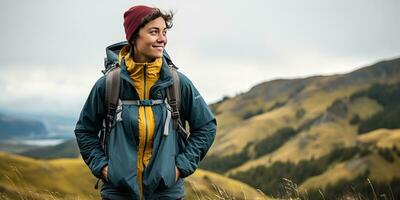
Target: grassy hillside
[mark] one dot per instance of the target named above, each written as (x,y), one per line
(272,105)
(354,164)
(27,178)
(308,129)
(209,185)
(321,137)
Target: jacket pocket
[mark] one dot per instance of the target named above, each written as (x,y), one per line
(121,158)
(130,184)
(168,174)
(125,183)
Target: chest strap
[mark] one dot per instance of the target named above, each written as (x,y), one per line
(148,102)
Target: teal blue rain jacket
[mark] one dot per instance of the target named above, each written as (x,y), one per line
(168,150)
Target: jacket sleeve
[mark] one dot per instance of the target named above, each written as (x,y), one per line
(87,128)
(202,127)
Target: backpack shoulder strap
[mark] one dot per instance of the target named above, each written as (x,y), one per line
(174,99)
(111,99)
(174,96)
(111,103)
(112,88)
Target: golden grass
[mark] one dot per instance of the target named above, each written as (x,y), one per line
(226,120)
(69,179)
(235,133)
(364,107)
(40,179)
(341,171)
(254,129)
(208,185)
(318,141)
(313,143)
(319,100)
(383,138)
(380,171)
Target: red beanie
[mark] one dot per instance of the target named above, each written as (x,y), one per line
(133,17)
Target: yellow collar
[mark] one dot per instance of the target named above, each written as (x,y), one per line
(133,68)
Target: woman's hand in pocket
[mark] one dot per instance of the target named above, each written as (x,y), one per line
(177,173)
(104,173)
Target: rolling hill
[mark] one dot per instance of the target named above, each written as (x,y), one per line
(67,149)
(336,135)
(69,178)
(310,129)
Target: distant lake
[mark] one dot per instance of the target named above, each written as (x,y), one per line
(39,142)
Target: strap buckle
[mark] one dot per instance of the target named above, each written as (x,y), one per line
(175,114)
(147,102)
(110,119)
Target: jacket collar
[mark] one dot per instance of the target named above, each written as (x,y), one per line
(164,81)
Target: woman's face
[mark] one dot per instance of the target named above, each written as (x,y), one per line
(151,41)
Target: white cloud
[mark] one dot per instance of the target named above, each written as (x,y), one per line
(59,90)
(50,59)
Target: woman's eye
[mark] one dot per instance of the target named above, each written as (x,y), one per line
(153,32)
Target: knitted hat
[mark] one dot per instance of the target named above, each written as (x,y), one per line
(133,17)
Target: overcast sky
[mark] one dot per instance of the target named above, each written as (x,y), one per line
(52,51)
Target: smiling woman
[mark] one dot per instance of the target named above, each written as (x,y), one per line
(150,41)
(150,36)
(146,151)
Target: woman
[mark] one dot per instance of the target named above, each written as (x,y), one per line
(146,157)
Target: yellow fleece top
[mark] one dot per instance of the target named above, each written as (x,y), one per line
(144,76)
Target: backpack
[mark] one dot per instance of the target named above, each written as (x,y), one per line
(112,72)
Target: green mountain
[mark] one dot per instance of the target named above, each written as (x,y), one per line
(312,132)
(13,127)
(68,149)
(14,146)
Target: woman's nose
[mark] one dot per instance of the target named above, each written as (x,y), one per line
(161,38)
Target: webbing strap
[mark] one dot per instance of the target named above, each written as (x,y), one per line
(148,102)
(173,96)
(111,103)
(112,87)
(181,129)
(111,97)
(166,124)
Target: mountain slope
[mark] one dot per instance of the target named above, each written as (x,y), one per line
(303,127)
(12,127)
(274,104)
(298,103)
(27,178)
(68,149)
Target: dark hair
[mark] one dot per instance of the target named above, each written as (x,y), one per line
(167,16)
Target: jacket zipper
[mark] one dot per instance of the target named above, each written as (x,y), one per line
(145,117)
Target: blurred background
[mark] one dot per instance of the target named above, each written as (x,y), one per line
(306,94)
